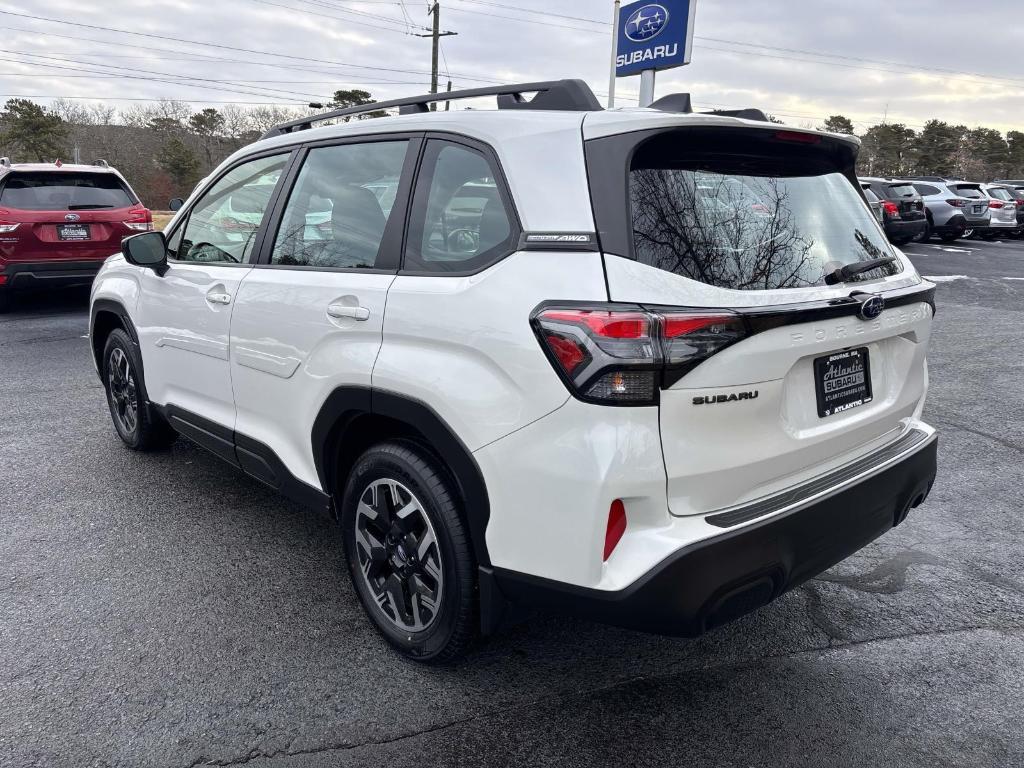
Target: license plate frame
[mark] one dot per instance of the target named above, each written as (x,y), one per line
(73,233)
(842,381)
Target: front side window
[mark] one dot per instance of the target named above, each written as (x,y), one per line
(338,211)
(222,225)
(764,219)
(460,222)
(64,191)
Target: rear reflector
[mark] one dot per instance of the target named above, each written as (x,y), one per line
(616,527)
(3,279)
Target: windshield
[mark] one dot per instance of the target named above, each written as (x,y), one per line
(751,232)
(64,191)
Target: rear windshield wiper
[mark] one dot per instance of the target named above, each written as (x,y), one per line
(87,207)
(843,274)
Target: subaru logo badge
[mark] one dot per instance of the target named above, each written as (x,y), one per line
(871,307)
(646,22)
(72,217)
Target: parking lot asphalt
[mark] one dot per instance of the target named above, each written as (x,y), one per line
(164,610)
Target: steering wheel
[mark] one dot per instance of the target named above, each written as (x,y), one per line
(463,241)
(222,254)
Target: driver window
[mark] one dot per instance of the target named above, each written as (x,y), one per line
(459,221)
(221,227)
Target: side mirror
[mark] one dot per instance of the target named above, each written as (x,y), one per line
(146,249)
(175,204)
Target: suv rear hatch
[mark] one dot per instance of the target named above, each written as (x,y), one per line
(66,215)
(907,200)
(741,223)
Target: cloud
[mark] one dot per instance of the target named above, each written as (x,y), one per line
(906,62)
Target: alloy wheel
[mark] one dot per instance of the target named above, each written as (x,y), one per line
(399,556)
(123,393)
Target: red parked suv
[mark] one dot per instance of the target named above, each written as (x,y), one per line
(58,223)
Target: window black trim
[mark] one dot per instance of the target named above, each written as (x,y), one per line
(394,238)
(290,155)
(501,182)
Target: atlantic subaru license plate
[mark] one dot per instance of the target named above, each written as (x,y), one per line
(73,231)
(842,381)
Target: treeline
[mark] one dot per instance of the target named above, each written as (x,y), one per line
(163,148)
(938,149)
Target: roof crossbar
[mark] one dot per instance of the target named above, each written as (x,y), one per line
(564,95)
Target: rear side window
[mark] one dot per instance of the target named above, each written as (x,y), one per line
(460,220)
(338,211)
(974,193)
(927,189)
(64,191)
(762,219)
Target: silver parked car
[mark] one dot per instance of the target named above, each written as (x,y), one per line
(1003,205)
(956,208)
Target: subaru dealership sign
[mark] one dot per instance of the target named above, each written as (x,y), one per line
(654,36)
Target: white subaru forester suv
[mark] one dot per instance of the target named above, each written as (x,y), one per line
(645,366)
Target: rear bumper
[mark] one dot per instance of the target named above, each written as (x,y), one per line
(900,229)
(720,579)
(50,274)
(955,225)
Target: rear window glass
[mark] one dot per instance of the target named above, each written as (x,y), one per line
(64,191)
(758,228)
(902,190)
(1000,194)
(974,193)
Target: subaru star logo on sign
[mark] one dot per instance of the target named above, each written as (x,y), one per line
(654,36)
(646,22)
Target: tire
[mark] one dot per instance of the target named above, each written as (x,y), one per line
(138,426)
(927,231)
(949,238)
(400,566)
(5,300)
(988,236)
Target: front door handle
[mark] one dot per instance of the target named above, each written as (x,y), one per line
(218,298)
(340,311)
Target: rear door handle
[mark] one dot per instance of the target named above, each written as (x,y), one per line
(340,311)
(218,298)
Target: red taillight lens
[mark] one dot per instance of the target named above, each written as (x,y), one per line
(3,279)
(616,527)
(139,219)
(623,356)
(891,208)
(995,204)
(957,203)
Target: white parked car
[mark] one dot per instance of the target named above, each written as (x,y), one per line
(584,360)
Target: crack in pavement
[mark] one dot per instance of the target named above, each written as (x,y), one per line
(672,672)
(995,438)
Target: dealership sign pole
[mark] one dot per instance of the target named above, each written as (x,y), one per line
(653,36)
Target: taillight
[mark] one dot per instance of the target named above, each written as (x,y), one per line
(957,203)
(623,356)
(891,208)
(140,219)
(995,204)
(797,137)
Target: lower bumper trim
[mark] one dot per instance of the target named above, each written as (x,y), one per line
(715,581)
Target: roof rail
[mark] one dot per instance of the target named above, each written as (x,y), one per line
(566,95)
(5,162)
(101,163)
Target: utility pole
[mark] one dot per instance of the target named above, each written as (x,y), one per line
(436,34)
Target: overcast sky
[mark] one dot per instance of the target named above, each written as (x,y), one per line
(800,59)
